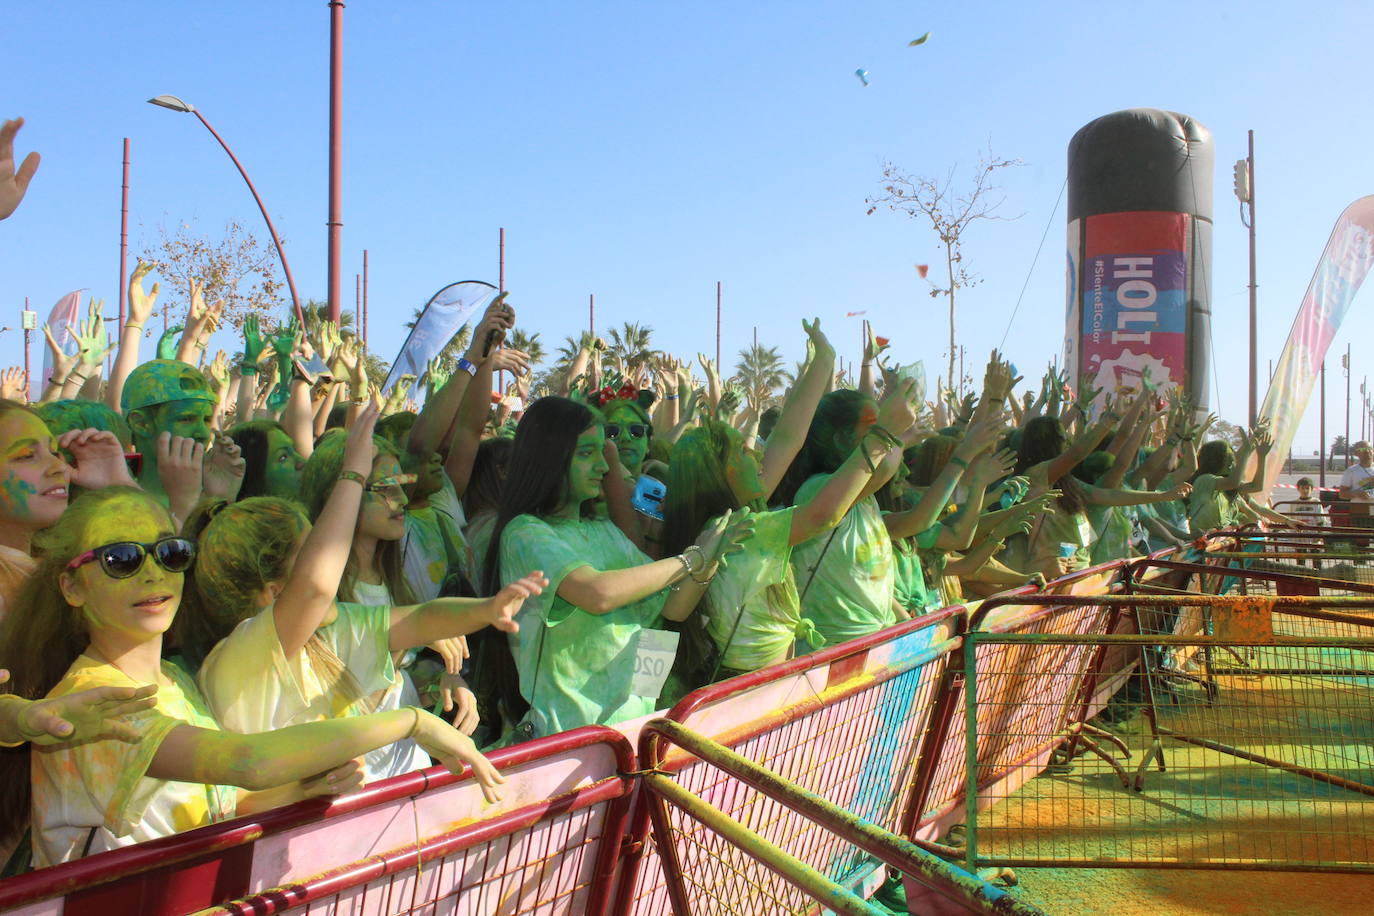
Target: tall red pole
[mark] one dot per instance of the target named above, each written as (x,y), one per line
(718,325)
(123,242)
(358,296)
(591,314)
(336,8)
(364,315)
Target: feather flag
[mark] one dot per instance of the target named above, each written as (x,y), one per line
(1344,263)
(442,317)
(63,320)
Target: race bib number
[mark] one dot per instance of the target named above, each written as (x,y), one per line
(1085,533)
(653,660)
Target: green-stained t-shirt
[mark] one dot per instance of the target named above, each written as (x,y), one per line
(909,581)
(1208,507)
(755,595)
(852,589)
(586,662)
(1060,527)
(1111,534)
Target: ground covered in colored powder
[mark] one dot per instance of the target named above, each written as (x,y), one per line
(1208,805)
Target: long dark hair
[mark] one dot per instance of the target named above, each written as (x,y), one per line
(488,475)
(1044,439)
(251,438)
(42,635)
(536,484)
(1216,457)
(837,411)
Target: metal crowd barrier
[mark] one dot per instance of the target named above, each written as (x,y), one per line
(716,861)
(420,840)
(1236,747)
(908,732)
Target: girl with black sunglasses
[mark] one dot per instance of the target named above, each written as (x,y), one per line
(94,615)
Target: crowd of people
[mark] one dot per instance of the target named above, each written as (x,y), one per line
(229,584)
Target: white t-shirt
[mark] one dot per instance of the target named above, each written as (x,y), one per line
(403,756)
(1308,510)
(95,795)
(283,692)
(434,537)
(1360,478)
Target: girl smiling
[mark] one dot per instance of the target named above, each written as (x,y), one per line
(107,589)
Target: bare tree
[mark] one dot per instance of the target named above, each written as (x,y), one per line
(234,267)
(950,211)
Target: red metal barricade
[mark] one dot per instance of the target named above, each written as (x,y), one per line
(550,848)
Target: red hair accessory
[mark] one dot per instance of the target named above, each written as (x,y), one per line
(627,392)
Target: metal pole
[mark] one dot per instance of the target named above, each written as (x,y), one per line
(358,296)
(1254,346)
(364,316)
(336,8)
(28,379)
(1321,451)
(123,242)
(591,315)
(271,229)
(1347,404)
(717,325)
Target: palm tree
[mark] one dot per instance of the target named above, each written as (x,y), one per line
(630,345)
(529,344)
(760,371)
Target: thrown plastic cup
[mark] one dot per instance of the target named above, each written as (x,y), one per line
(1067,550)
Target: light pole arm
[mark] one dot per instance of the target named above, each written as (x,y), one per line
(276,240)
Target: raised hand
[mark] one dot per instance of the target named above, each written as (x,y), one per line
(14,385)
(13,183)
(92,340)
(253,344)
(180,470)
(503,606)
(873,348)
(140,301)
(452,650)
(329,342)
(509,360)
(897,412)
(62,363)
(224,468)
(997,378)
(167,343)
(726,535)
(218,372)
(201,322)
(498,318)
(97,458)
(396,400)
(990,466)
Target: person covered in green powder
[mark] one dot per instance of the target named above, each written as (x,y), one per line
(1219,497)
(170,410)
(847,578)
(751,611)
(589,649)
(272,464)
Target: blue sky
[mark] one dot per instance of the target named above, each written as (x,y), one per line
(643,151)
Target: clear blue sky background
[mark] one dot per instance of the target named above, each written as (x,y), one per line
(643,151)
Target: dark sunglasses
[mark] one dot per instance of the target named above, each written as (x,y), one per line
(636,430)
(125,558)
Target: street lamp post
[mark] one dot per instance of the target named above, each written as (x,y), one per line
(173,103)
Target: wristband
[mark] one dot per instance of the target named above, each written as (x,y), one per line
(414,726)
(670,397)
(354,476)
(955,459)
(134,324)
(467,365)
(247,369)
